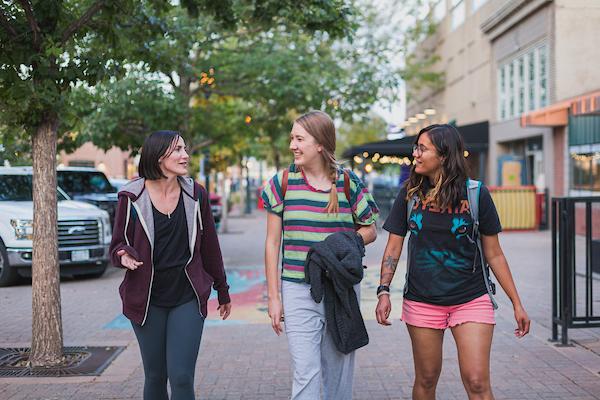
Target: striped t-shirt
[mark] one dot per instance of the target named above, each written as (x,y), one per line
(305,220)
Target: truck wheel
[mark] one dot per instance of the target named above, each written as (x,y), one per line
(8,275)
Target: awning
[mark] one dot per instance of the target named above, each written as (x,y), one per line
(476,137)
(557,114)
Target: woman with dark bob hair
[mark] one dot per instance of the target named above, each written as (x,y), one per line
(165,238)
(454,236)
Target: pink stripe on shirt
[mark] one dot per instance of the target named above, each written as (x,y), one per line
(315,209)
(296,248)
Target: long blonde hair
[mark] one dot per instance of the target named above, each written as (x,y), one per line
(320,126)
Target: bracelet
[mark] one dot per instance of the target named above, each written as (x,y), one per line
(382,293)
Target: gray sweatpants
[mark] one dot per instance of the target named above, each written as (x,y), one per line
(313,352)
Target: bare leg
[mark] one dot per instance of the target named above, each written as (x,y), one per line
(474,342)
(427,353)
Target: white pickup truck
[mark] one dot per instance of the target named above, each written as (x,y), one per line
(84,230)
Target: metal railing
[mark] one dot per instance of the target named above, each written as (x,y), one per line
(575,235)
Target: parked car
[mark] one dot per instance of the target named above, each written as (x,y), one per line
(84,231)
(89,185)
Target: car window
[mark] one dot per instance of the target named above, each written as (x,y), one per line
(19,188)
(15,188)
(78,182)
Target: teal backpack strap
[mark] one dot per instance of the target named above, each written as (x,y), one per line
(409,206)
(473,190)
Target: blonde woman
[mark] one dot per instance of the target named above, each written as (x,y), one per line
(307,202)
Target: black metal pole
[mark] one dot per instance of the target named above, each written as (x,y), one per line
(589,303)
(555,285)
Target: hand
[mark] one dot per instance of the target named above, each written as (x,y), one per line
(383,310)
(276,314)
(224,310)
(523,322)
(127,261)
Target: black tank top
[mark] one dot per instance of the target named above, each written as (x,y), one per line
(171,286)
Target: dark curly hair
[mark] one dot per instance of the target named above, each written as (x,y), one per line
(450,185)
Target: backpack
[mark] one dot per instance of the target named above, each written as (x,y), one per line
(473,189)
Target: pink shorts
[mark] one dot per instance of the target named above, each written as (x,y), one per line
(426,315)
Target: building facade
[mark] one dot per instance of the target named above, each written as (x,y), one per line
(464,57)
(529,68)
(538,53)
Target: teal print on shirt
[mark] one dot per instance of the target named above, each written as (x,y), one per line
(415,223)
(438,258)
(459,227)
(441,258)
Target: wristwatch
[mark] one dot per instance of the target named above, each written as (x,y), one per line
(383,289)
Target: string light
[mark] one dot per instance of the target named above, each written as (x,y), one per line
(585,157)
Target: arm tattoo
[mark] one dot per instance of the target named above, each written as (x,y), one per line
(388,269)
(391,263)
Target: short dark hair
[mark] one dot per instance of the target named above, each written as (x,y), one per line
(157,145)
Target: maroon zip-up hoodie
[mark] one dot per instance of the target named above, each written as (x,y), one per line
(133,232)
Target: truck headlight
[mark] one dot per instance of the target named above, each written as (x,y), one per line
(23,228)
(105,228)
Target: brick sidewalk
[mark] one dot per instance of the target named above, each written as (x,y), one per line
(250,362)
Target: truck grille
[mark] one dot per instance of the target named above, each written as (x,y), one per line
(78,233)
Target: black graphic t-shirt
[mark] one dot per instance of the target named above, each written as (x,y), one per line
(444,263)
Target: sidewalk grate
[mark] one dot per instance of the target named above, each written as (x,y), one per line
(79,361)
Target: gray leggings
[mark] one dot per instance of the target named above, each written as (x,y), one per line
(169,342)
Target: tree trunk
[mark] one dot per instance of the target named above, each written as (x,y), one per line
(185,90)
(47,335)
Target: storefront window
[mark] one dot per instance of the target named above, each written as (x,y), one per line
(586,171)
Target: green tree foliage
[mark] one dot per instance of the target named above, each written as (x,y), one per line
(228,73)
(48,48)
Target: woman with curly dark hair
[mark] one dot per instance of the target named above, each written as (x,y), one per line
(449,249)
